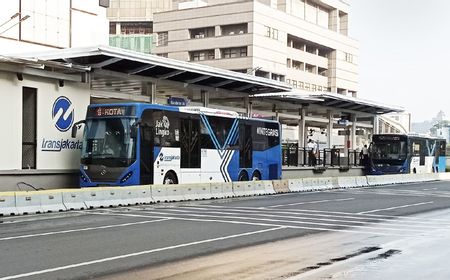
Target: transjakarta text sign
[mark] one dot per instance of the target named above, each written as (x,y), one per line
(57,112)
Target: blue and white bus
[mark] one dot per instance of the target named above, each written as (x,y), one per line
(400,153)
(138,143)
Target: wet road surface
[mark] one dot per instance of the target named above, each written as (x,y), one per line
(338,234)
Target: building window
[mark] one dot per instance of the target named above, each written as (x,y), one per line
(234,29)
(163,39)
(313,87)
(294,83)
(29,127)
(199,33)
(288,81)
(143,27)
(349,57)
(288,63)
(307,86)
(163,54)
(301,84)
(202,55)
(112,28)
(234,52)
(274,33)
(271,32)
(277,77)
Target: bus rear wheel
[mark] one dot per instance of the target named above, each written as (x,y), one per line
(243,176)
(256,176)
(170,178)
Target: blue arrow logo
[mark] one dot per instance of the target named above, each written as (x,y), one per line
(63,113)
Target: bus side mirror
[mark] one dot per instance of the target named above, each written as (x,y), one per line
(75,128)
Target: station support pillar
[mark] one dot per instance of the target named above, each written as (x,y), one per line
(353,132)
(248,106)
(302,128)
(205,98)
(330,129)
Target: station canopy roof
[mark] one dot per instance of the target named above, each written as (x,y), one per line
(332,100)
(105,58)
(130,65)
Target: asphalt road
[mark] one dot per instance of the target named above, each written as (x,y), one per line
(151,241)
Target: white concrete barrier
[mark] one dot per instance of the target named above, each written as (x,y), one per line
(159,193)
(222,190)
(216,190)
(444,176)
(325,183)
(296,185)
(8,204)
(197,191)
(311,184)
(268,187)
(346,182)
(281,186)
(101,197)
(28,202)
(259,188)
(73,199)
(135,195)
(361,181)
(52,201)
(174,192)
(243,188)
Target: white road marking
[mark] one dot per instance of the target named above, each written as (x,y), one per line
(311,202)
(81,229)
(76,265)
(40,218)
(346,213)
(310,216)
(396,207)
(273,225)
(284,221)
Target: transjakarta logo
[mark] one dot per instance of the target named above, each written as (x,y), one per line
(63,117)
(63,113)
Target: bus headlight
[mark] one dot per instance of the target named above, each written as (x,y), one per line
(126,177)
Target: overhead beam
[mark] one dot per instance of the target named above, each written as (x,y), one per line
(171,74)
(221,84)
(140,69)
(242,88)
(199,79)
(106,62)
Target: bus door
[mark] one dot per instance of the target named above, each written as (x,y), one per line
(423,152)
(146,155)
(245,146)
(190,152)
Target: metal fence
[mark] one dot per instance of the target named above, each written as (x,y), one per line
(303,156)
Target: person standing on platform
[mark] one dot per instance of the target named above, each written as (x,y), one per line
(312,149)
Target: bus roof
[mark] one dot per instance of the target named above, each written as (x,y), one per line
(140,107)
(409,135)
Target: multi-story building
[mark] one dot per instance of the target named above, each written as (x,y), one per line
(43,24)
(302,42)
(131,23)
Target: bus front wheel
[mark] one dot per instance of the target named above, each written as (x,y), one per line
(170,178)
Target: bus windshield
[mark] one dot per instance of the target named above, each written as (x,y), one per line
(385,151)
(109,142)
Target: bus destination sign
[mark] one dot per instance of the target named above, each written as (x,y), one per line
(113,111)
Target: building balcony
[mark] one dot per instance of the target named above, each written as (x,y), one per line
(136,42)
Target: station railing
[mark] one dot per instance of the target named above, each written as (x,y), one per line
(295,156)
